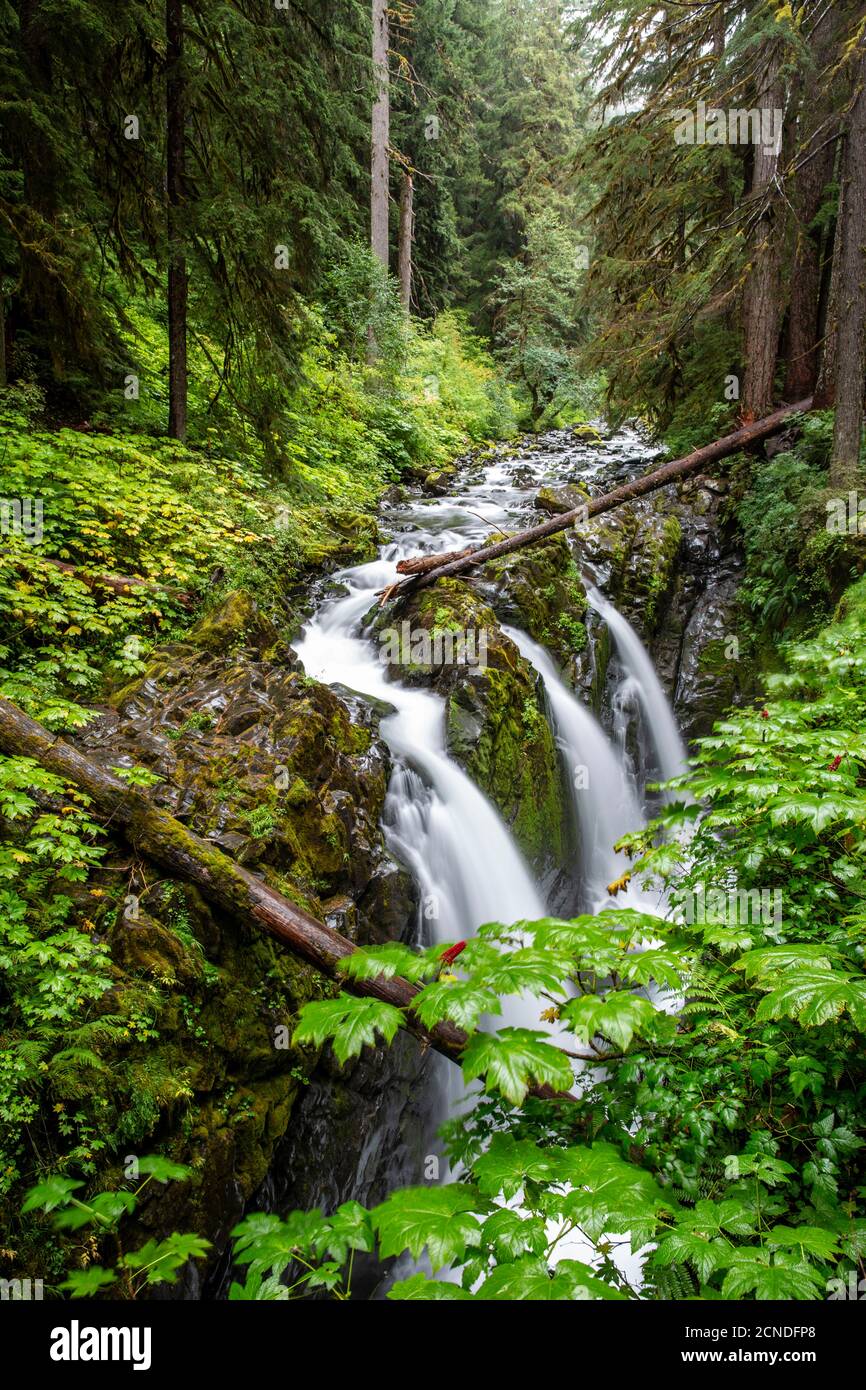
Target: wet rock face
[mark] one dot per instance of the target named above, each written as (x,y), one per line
(540,589)
(671,564)
(273,769)
(495,722)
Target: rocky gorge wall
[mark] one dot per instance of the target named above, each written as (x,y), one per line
(289,778)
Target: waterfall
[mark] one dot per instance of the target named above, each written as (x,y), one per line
(657,717)
(437,821)
(466,865)
(604,800)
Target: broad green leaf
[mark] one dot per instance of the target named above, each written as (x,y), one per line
(350,1024)
(813,996)
(52,1193)
(369,962)
(163,1169)
(440,1219)
(509,1162)
(514,1059)
(530,1281)
(815,1239)
(419,1288)
(88,1283)
(618,1016)
(461,1002)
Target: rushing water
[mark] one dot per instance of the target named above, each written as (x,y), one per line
(642,683)
(467,866)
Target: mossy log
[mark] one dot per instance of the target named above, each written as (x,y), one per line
(421,575)
(156,834)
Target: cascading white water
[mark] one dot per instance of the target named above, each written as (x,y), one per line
(438,821)
(658,719)
(604,798)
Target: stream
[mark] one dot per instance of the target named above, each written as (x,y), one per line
(437,822)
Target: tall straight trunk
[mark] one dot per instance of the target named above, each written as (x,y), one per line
(851,339)
(825,389)
(761,300)
(380,135)
(178,281)
(407,232)
(3,376)
(810,183)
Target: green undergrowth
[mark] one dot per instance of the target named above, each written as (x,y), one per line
(723,1139)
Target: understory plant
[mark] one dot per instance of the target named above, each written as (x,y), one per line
(684,1122)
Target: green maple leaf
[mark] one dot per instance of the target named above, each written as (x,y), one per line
(513,1234)
(684,1246)
(441,1219)
(513,1059)
(618,1016)
(387,961)
(813,996)
(815,1239)
(608,1193)
(350,1024)
(816,811)
(751,1273)
(527,971)
(772,959)
(462,1002)
(530,1280)
(421,1289)
(87,1283)
(664,966)
(53,1192)
(348,1229)
(163,1169)
(508,1163)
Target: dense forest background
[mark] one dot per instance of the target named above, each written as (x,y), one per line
(188,186)
(260,262)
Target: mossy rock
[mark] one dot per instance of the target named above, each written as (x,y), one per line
(341,537)
(270,768)
(540,590)
(559,500)
(495,722)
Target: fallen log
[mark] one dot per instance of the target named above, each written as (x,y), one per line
(423,575)
(419,564)
(155,833)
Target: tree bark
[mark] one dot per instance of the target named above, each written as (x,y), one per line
(3,376)
(810,182)
(156,834)
(761,299)
(595,506)
(407,232)
(380,136)
(178,283)
(851,337)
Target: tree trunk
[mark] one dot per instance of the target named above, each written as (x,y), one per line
(809,184)
(851,339)
(761,300)
(380,136)
(825,388)
(156,834)
(650,482)
(3,375)
(407,232)
(178,287)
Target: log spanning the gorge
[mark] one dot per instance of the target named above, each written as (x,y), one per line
(425,570)
(154,832)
